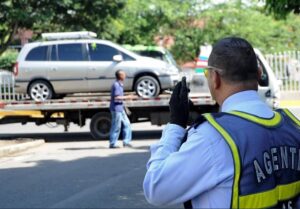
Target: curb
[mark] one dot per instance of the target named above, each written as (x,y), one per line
(11,149)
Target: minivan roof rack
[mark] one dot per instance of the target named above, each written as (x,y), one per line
(69,35)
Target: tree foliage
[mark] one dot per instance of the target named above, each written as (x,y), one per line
(61,15)
(281,8)
(261,30)
(8,59)
(190,22)
(141,20)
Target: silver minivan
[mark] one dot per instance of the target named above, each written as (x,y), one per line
(50,69)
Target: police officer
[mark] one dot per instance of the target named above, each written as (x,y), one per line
(245,156)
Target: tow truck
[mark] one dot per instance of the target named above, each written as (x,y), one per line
(78,108)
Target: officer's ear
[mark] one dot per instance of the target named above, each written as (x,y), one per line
(259,73)
(216,79)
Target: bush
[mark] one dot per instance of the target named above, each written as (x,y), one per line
(8,59)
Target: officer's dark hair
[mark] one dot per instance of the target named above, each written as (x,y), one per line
(118,73)
(237,59)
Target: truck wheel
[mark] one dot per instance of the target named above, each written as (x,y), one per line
(40,91)
(100,125)
(147,87)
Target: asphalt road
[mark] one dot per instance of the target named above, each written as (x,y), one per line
(73,171)
(77,172)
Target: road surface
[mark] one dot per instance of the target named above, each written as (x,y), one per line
(77,172)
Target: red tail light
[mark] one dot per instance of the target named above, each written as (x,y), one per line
(16,69)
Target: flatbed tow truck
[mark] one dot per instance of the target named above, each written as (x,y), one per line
(78,108)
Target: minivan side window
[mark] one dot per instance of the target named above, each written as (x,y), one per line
(37,54)
(101,52)
(70,52)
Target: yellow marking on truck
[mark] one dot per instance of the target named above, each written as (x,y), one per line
(58,115)
(28,113)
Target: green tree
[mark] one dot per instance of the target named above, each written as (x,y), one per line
(60,15)
(219,21)
(262,31)
(281,8)
(142,20)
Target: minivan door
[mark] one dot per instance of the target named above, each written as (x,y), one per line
(68,68)
(101,73)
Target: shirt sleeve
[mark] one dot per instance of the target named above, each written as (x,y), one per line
(176,173)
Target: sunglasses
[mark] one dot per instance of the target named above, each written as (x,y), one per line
(205,71)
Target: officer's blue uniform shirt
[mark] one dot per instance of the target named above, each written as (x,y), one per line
(202,168)
(116,90)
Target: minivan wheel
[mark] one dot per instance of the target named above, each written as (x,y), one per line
(40,91)
(147,87)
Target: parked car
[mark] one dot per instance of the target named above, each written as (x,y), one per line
(77,63)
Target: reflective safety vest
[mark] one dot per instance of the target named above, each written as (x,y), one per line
(266,155)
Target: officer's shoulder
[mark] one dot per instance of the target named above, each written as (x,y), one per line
(205,125)
(204,129)
(201,121)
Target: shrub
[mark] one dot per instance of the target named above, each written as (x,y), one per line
(8,59)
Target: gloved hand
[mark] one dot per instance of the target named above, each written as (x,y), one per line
(179,104)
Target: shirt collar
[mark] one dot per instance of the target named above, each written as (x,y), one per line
(119,82)
(235,100)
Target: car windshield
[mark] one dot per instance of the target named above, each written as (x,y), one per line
(170,58)
(152,54)
(167,56)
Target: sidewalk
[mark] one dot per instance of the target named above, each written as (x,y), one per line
(8,147)
(290,99)
(289,103)
(290,95)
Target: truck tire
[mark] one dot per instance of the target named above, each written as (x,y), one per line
(100,125)
(40,91)
(147,87)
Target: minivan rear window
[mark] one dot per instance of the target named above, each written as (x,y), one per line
(70,52)
(37,54)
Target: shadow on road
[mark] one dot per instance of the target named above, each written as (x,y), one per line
(89,182)
(78,136)
(84,148)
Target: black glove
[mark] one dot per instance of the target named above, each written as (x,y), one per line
(179,104)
